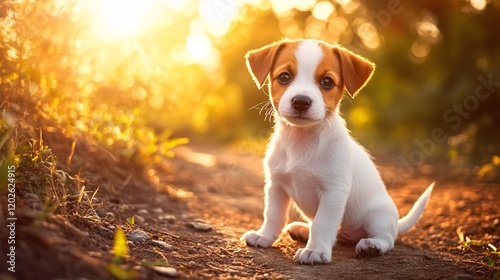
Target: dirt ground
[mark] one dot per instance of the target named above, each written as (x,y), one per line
(199,204)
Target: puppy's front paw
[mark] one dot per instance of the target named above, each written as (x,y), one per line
(254,238)
(308,256)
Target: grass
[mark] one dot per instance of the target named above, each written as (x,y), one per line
(488,252)
(62,171)
(46,187)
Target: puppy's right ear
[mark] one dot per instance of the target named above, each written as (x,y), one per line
(260,61)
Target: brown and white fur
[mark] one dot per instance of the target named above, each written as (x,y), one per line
(313,161)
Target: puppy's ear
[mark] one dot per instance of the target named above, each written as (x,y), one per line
(260,61)
(356,70)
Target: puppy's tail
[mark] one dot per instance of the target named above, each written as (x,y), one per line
(405,223)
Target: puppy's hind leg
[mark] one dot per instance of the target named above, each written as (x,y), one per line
(381,228)
(298,231)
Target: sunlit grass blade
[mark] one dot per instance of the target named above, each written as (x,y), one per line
(120,249)
(121,273)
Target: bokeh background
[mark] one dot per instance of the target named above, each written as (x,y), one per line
(139,77)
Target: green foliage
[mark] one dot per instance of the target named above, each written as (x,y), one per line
(427,77)
(121,273)
(465,242)
(490,252)
(120,252)
(38,173)
(54,74)
(491,170)
(120,248)
(131,220)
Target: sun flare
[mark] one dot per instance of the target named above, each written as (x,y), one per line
(118,19)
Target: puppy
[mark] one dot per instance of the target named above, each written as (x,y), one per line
(313,161)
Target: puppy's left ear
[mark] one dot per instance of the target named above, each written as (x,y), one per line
(356,70)
(260,61)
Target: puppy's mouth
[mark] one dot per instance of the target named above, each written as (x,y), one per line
(299,120)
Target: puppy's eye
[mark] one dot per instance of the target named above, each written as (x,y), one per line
(327,82)
(284,78)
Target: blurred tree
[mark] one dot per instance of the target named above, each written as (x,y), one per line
(431,56)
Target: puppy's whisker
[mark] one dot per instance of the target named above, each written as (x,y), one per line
(269,111)
(260,106)
(349,98)
(266,108)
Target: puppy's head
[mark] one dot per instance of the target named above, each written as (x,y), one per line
(307,78)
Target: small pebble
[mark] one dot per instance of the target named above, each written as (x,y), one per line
(106,232)
(165,271)
(167,217)
(143,212)
(200,226)
(95,254)
(157,210)
(137,235)
(139,219)
(162,244)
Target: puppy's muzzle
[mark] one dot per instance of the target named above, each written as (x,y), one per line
(301,103)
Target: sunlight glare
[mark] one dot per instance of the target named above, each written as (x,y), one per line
(478,4)
(118,19)
(323,10)
(343,2)
(218,15)
(284,7)
(427,29)
(420,49)
(200,50)
(369,35)
(176,5)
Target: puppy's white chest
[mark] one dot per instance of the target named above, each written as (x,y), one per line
(300,179)
(306,189)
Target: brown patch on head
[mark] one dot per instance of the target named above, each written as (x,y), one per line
(348,70)
(285,63)
(259,62)
(273,60)
(356,70)
(330,67)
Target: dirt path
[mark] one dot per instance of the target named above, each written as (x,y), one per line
(196,231)
(231,198)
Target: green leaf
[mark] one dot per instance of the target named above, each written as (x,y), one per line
(491,262)
(121,273)
(131,221)
(176,142)
(120,249)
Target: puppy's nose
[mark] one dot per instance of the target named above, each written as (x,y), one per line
(301,103)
